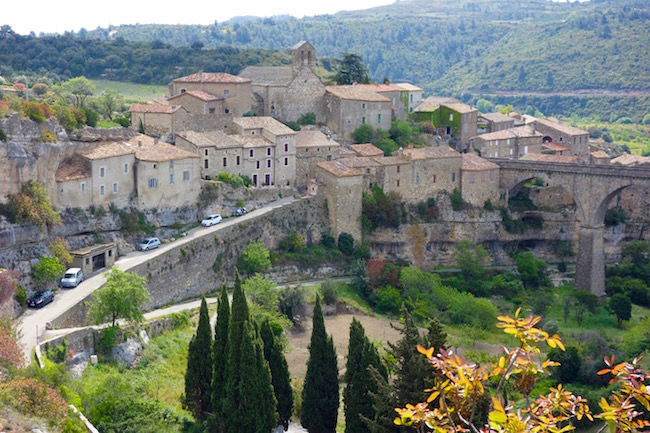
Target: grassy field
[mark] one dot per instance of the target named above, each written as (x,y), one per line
(131,91)
(632,135)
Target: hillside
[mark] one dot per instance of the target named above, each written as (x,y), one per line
(452,46)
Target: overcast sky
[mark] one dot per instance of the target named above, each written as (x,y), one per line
(50,16)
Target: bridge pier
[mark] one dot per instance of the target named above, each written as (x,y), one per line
(590,263)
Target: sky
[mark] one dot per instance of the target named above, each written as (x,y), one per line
(49,16)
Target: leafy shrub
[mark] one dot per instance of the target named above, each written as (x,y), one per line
(3,135)
(329,292)
(456,200)
(346,243)
(380,209)
(31,396)
(570,363)
(521,202)
(291,302)
(293,243)
(637,290)
(31,205)
(363,134)
(511,225)
(122,121)
(21,296)
(231,179)
(327,240)
(615,216)
(389,300)
(488,206)
(307,119)
(254,258)
(92,117)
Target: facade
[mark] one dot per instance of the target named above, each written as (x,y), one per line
(479,180)
(166,176)
(450,117)
(199,102)
(94,258)
(287,92)
(312,147)
(219,152)
(157,120)
(349,107)
(432,170)
(493,122)
(510,143)
(600,157)
(235,91)
(575,139)
(100,177)
(403,96)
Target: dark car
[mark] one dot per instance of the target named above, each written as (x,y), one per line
(240,211)
(40,298)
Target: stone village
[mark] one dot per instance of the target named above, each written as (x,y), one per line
(203,127)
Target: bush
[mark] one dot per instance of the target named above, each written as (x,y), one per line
(291,302)
(456,200)
(363,134)
(615,216)
(122,121)
(307,119)
(21,296)
(346,243)
(329,292)
(570,363)
(92,117)
(3,135)
(327,240)
(255,258)
(231,179)
(292,243)
(389,300)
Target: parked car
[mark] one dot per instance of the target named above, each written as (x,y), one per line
(149,244)
(211,220)
(39,299)
(240,211)
(72,277)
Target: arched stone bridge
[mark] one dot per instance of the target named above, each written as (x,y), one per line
(592,187)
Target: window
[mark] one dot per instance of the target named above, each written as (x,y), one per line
(267,179)
(114,187)
(379,118)
(453,176)
(102,171)
(126,168)
(186,175)
(171,165)
(237,159)
(393,102)
(87,261)
(171,179)
(205,152)
(511,151)
(329,157)
(102,190)
(451,117)
(258,165)
(286,147)
(183,90)
(363,120)
(286,161)
(417,179)
(363,105)
(472,177)
(525,150)
(255,179)
(205,163)
(398,183)
(251,153)
(226,92)
(398,167)
(508,141)
(110,253)
(268,151)
(268,163)
(225,161)
(492,175)
(483,177)
(153,183)
(434,178)
(227,111)
(212,110)
(83,186)
(155,166)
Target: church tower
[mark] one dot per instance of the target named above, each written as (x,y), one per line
(303,55)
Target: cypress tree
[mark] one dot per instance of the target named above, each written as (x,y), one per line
(269,418)
(436,336)
(220,355)
(238,317)
(384,402)
(320,394)
(279,374)
(247,415)
(360,384)
(199,368)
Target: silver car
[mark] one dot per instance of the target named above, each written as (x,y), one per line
(149,244)
(72,278)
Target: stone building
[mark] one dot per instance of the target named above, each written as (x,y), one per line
(349,107)
(157,120)
(287,92)
(370,167)
(235,91)
(100,176)
(366,149)
(554,131)
(199,102)
(342,186)
(510,143)
(312,147)
(450,117)
(600,157)
(479,180)
(432,170)
(403,96)
(493,122)
(166,176)
(219,152)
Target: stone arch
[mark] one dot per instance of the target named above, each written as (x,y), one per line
(599,215)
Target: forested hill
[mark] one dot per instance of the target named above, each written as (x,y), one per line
(457,45)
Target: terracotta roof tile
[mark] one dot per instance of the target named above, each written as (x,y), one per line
(150,108)
(356,93)
(149,149)
(367,149)
(199,94)
(630,160)
(344,151)
(432,103)
(472,162)
(73,168)
(496,117)
(264,122)
(380,88)
(314,139)
(408,87)
(391,160)
(600,154)
(218,139)
(252,141)
(107,150)
(550,158)
(338,169)
(557,147)
(211,77)
(460,107)
(431,153)
(566,129)
(359,161)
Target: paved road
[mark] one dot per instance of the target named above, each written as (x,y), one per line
(32,322)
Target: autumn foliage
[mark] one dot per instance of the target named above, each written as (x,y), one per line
(459,384)
(11,353)
(33,396)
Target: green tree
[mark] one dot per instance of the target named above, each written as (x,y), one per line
(471,259)
(198,375)
(47,271)
(320,394)
(59,249)
(220,357)
(346,243)
(108,102)
(80,88)
(359,384)
(280,376)
(363,134)
(531,270)
(254,258)
(584,301)
(351,70)
(621,305)
(262,292)
(122,297)
(360,279)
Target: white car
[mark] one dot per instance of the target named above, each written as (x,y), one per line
(211,220)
